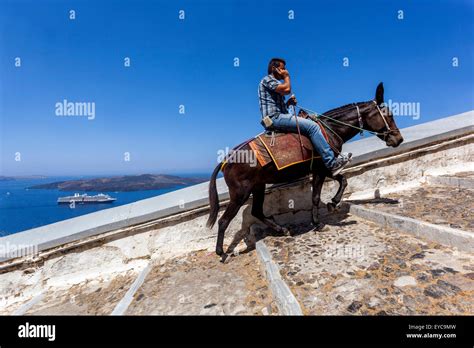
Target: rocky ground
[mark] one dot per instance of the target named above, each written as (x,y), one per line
(356,267)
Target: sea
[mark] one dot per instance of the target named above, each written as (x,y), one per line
(22,208)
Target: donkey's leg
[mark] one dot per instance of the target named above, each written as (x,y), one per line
(318,180)
(238,237)
(341,179)
(238,196)
(230,212)
(257,210)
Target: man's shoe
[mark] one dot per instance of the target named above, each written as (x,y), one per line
(340,163)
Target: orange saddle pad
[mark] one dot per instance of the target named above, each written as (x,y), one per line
(283,148)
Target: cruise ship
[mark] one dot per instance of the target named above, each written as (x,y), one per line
(77,198)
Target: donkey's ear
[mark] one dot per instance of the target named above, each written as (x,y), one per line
(379,94)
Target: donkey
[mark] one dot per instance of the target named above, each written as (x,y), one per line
(244,179)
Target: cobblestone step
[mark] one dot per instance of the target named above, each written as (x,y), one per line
(440,205)
(448,236)
(354,266)
(199,284)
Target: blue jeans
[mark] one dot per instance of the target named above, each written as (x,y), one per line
(309,128)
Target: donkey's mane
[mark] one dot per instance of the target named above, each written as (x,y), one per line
(342,110)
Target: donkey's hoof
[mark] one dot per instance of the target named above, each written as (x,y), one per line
(286,232)
(224,257)
(331,207)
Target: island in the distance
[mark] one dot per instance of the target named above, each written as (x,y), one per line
(22,177)
(122,183)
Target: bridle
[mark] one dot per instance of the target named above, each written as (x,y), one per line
(388,131)
(361,121)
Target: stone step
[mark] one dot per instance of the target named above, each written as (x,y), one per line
(459,181)
(199,284)
(440,205)
(448,236)
(354,266)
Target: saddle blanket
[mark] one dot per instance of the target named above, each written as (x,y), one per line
(284,149)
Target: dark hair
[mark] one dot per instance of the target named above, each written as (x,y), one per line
(275,62)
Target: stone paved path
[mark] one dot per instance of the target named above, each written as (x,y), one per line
(199,284)
(356,267)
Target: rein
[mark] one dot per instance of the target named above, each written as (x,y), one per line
(361,124)
(299,132)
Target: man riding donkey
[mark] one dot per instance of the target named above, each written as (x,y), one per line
(275,115)
(245,179)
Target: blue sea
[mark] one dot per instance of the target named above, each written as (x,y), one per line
(22,208)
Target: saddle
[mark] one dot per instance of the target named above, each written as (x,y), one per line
(284,149)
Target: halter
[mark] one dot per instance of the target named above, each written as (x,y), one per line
(383,117)
(361,123)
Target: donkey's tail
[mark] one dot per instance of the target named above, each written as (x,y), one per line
(213,198)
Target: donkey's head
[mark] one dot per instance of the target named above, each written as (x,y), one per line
(379,119)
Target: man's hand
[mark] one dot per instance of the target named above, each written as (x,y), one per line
(291,101)
(283,72)
(285,87)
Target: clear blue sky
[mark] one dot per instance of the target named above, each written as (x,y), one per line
(190,62)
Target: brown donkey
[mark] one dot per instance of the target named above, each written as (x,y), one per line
(244,179)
